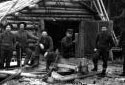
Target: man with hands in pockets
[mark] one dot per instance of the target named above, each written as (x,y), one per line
(104,43)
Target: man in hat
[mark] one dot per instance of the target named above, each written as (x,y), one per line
(104,43)
(68,45)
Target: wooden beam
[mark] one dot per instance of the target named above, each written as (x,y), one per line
(59,77)
(20,18)
(18,21)
(42,25)
(60,16)
(57,11)
(66,18)
(22,74)
(52,3)
(70,0)
(57,8)
(67,66)
(64,6)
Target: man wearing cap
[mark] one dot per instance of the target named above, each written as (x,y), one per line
(104,43)
(22,43)
(68,45)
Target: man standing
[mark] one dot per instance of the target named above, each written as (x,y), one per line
(104,43)
(122,45)
(44,47)
(7,44)
(68,45)
(22,43)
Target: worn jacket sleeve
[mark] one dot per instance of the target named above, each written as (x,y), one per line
(1,38)
(96,41)
(62,46)
(121,39)
(14,41)
(30,35)
(111,41)
(50,44)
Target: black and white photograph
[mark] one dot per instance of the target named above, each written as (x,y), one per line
(62,42)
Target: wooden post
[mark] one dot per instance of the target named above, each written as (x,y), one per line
(81,40)
(42,25)
(76,44)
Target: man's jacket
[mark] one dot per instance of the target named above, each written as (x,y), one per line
(7,40)
(22,38)
(47,42)
(67,47)
(104,41)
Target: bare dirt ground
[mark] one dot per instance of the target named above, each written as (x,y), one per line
(112,77)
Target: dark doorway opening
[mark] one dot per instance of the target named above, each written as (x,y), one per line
(57,29)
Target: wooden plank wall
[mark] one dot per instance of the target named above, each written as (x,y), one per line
(51,10)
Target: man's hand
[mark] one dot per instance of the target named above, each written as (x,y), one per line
(95,49)
(45,54)
(14,52)
(41,46)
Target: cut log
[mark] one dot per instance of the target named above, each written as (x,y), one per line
(67,66)
(59,77)
(51,3)
(12,72)
(57,11)
(58,8)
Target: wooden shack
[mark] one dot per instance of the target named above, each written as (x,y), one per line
(56,16)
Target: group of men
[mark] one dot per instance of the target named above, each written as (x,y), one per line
(21,42)
(43,44)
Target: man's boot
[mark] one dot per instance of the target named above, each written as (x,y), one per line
(103,73)
(7,66)
(35,61)
(123,73)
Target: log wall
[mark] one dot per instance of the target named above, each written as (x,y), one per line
(52,10)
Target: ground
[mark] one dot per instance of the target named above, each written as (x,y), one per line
(112,78)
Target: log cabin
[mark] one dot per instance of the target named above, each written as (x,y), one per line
(56,16)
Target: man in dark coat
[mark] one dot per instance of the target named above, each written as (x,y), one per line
(68,45)
(122,45)
(44,47)
(22,43)
(104,43)
(7,40)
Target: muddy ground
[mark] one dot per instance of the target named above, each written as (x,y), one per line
(112,76)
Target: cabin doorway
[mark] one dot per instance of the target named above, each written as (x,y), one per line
(57,29)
